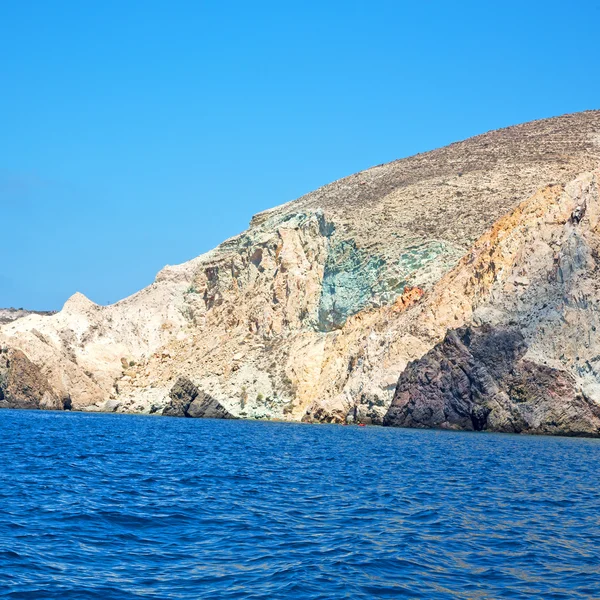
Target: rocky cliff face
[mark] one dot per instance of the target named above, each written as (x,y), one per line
(22,385)
(478,379)
(317,310)
(535,275)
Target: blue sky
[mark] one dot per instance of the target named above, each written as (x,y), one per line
(135,134)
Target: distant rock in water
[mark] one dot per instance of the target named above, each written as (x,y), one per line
(455,288)
(186,400)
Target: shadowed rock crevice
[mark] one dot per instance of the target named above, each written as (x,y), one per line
(186,400)
(478,379)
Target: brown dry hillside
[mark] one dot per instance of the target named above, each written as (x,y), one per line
(456,192)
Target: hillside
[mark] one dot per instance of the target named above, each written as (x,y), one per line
(388,295)
(8,315)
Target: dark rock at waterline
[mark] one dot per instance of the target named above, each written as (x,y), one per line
(477,379)
(182,394)
(189,401)
(207,407)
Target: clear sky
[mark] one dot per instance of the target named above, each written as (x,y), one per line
(135,134)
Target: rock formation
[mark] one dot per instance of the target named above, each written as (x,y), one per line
(478,379)
(22,384)
(334,305)
(186,400)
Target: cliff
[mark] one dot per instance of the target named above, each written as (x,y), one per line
(362,300)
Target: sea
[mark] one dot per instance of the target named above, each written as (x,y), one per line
(98,506)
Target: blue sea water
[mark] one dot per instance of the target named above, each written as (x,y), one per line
(119,507)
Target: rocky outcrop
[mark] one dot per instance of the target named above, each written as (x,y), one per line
(478,379)
(182,394)
(22,384)
(317,309)
(206,407)
(186,400)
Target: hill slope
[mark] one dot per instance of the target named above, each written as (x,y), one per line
(8,315)
(318,309)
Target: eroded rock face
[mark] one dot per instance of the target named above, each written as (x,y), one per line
(22,384)
(478,379)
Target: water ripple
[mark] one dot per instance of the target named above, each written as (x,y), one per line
(119,507)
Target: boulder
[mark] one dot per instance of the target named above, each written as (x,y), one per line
(207,407)
(111,405)
(182,394)
(186,400)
